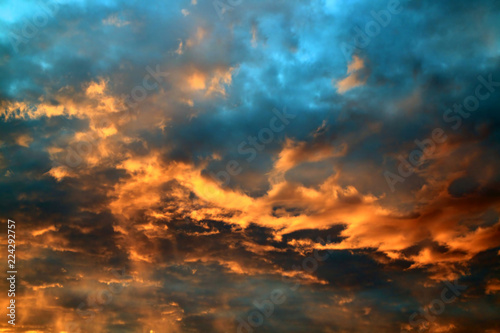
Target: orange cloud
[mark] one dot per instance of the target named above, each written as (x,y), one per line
(197,81)
(353,78)
(493,286)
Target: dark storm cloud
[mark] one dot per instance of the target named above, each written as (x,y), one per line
(189,273)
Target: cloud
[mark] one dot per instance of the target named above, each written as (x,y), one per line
(353,79)
(106,175)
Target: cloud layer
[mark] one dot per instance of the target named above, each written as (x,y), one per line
(171,164)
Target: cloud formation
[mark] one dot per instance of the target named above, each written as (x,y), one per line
(114,117)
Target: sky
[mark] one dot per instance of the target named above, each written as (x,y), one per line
(251,166)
